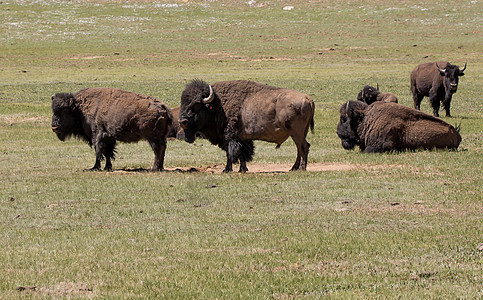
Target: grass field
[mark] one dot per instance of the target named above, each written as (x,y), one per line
(396,225)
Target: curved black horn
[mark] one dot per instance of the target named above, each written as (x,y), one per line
(210,97)
(377,86)
(441,70)
(464,68)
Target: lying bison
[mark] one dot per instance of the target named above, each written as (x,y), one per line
(369,95)
(383,126)
(231,114)
(103,116)
(438,81)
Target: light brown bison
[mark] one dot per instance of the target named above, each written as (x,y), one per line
(369,95)
(103,116)
(438,81)
(231,114)
(384,126)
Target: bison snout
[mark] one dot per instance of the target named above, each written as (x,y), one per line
(183,123)
(453,86)
(55,129)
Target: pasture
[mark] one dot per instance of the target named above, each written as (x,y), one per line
(355,225)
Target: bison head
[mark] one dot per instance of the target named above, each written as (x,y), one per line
(197,108)
(351,114)
(451,76)
(368,94)
(64,116)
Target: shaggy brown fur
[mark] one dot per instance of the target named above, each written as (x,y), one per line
(103,116)
(437,84)
(242,111)
(383,126)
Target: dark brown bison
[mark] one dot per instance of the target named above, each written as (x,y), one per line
(103,116)
(384,126)
(438,81)
(369,95)
(231,114)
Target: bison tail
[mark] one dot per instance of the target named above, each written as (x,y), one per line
(312,125)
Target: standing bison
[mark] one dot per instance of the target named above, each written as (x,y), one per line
(369,95)
(231,114)
(438,81)
(103,116)
(383,126)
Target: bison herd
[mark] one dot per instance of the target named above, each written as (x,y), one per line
(232,114)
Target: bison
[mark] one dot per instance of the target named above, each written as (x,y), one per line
(369,95)
(438,81)
(175,131)
(103,116)
(384,126)
(231,114)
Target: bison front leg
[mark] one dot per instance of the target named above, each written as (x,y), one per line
(159,149)
(97,142)
(447,105)
(434,100)
(229,163)
(243,166)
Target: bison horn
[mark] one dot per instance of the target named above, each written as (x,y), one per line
(464,68)
(377,86)
(440,70)
(210,97)
(347,109)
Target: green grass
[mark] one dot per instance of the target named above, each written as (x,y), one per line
(396,225)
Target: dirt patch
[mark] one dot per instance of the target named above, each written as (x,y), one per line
(271,168)
(63,289)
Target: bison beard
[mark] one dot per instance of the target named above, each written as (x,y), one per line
(103,116)
(231,114)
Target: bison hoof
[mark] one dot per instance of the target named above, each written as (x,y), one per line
(93,169)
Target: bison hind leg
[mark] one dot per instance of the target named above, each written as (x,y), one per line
(302,153)
(109,152)
(159,149)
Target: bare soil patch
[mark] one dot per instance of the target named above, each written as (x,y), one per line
(272,168)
